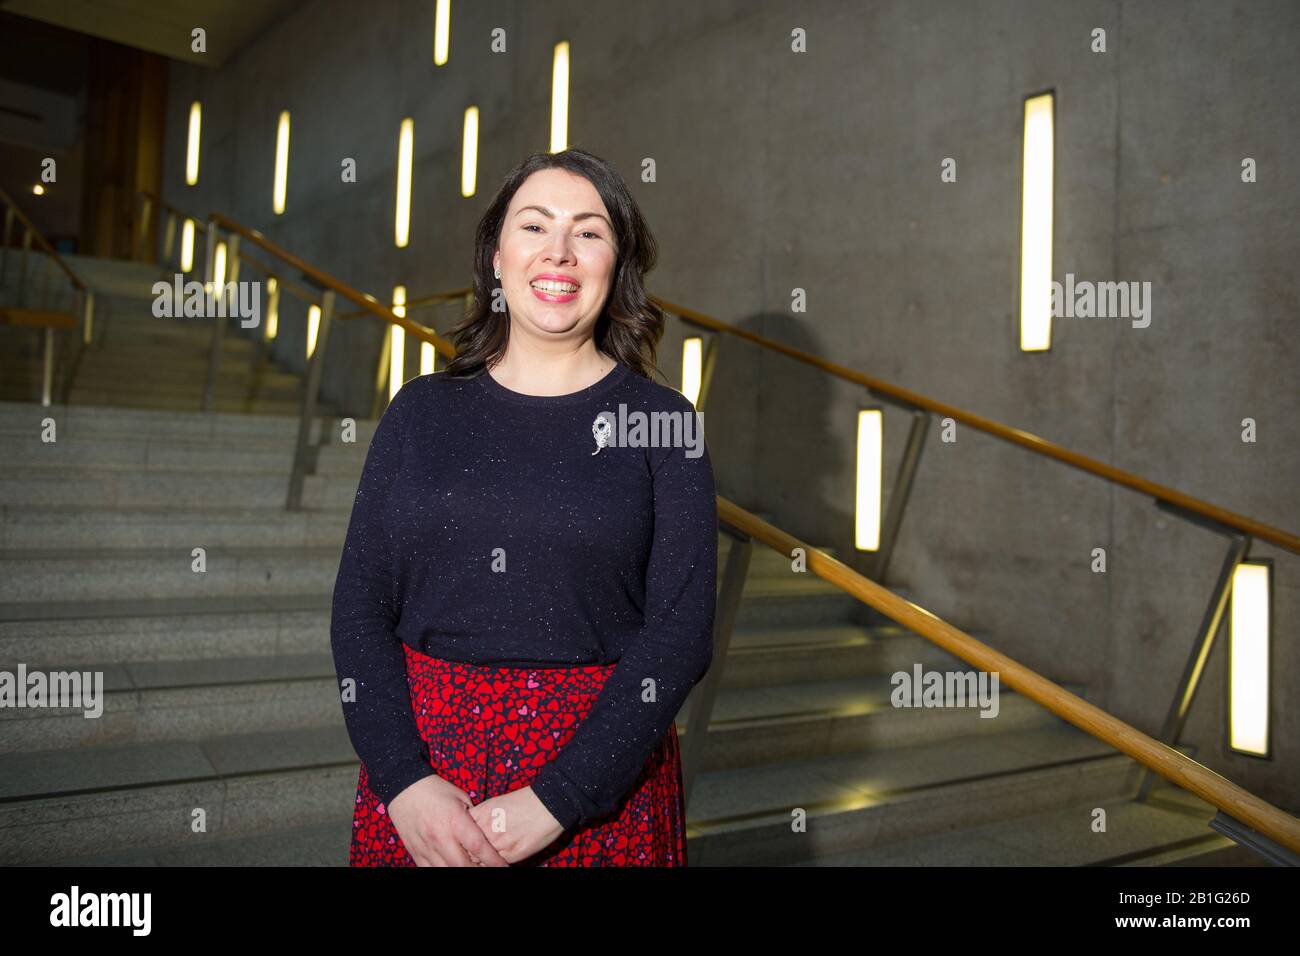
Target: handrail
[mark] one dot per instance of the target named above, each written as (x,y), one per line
(200,226)
(1232,799)
(36,234)
(1215,789)
(365,300)
(69,362)
(1250,526)
(423,300)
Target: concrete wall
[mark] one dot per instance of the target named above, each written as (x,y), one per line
(821,171)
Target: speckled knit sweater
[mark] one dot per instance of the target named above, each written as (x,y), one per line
(499,528)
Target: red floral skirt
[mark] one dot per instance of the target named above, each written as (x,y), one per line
(490,729)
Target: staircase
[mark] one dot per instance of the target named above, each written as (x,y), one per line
(137,360)
(220,694)
(804,722)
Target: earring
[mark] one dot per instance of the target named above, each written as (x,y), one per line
(498,272)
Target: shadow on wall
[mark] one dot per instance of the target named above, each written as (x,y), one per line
(802,431)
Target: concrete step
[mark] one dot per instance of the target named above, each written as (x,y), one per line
(143,452)
(22,487)
(766,656)
(325,844)
(160,701)
(80,575)
(804,600)
(114,277)
(861,801)
(98,374)
(765,561)
(36,529)
(761,726)
(1137,834)
(187,401)
(76,634)
(186,425)
(132,342)
(105,800)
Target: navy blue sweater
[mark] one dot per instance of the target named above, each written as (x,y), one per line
(610,545)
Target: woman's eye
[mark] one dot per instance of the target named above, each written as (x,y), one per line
(588,232)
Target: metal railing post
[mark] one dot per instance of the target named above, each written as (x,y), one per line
(381,373)
(1211,621)
(727,610)
(88,316)
(142,240)
(4,250)
(47,372)
(311,388)
(706,369)
(169,240)
(212,295)
(22,267)
(902,490)
(1253,840)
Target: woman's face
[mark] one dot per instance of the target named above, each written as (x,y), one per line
(556,230)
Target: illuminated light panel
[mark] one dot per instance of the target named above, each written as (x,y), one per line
(1036,226)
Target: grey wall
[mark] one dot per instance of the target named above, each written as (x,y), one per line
(821,171)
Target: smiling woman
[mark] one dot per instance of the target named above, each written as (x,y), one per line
(519,619)
(567,217)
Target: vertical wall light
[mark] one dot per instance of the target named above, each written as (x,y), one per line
(692,367)
(272,307)
(871,433)
(427,358)
(469,153)
(187,245)
(397,348)
(560,97)
(1036,225)
(1248,658)
(192,146)
(441,32)
(402,219)
(313,326)
(281,161)
(218,284)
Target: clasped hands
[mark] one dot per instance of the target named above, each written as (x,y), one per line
(441,826)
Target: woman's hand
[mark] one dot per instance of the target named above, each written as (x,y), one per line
(517,824)
(432,817)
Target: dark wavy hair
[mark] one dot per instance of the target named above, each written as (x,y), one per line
(629,327)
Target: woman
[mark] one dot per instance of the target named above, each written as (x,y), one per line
(526,592)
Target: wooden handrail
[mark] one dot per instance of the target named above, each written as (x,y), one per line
(49,249)
(1250,526)
(285,282)
(1233,800)
(367,302)
(423,300)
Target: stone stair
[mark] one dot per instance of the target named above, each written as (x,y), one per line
(136,360)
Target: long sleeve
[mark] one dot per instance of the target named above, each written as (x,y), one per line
(364,619)
(674,648)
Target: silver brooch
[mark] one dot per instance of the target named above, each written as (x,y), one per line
(601,429)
